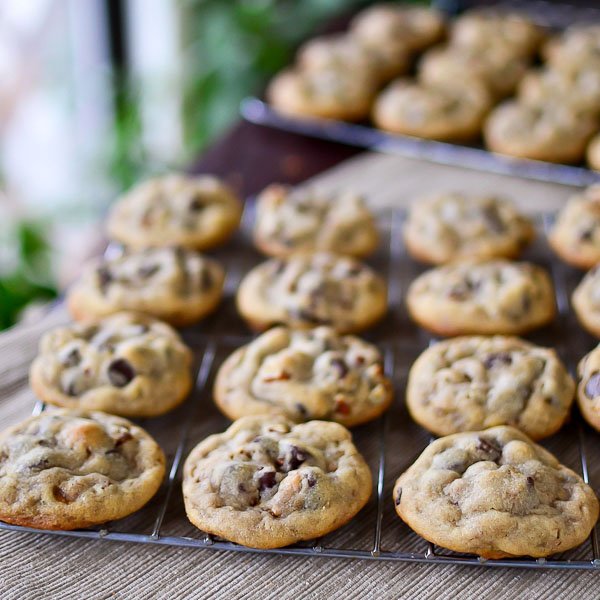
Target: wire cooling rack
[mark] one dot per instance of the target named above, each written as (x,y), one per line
(548,14)
(389,444)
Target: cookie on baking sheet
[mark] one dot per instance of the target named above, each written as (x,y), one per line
(303,375)
(343,51)
(496,69)
(70,469)
(307,290)
(482,297)
(471,383)
(126,364)
(329,93)
(579,89)
(268,483)
(289,221)
(593,153)
(549,131)
(588,387)
(513,31)
(448,226)
(586,301)
(577,47)
(173,284)
(497,494)
(575,236)
(439,111)
(176,210)
(412,27)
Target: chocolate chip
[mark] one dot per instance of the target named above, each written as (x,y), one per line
(309,317)
(71,359)
(196,205)
(123,439)
(493,219)
(340,366)
(59,495)
(462,290)
(301,409)
(487,447)
(586,235)
(293,459)
(267,480)
(206,280)
(71,389)
(399,497)
(146,271)
(497,359)
(592,387)
(341,407)
(104,277)
(530,481)
(311,480)
(120,372)
(42,464)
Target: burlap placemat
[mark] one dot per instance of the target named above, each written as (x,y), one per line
(41,566)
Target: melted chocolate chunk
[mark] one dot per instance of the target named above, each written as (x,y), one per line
(586,235)
(301,409)
(293,459)
(488,448)
(146,271)
(592,387)
(311,480)
(123,439)
(72,359)
(463,290)
(497,359)
(267,480)
(196,205)
(120,372)
(530,481)
(340,366)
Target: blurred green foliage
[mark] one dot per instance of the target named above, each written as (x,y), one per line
(29,276)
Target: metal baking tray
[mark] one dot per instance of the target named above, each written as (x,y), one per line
(389,444)
(549,14)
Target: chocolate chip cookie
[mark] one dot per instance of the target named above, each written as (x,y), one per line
(173,284)
(413,27)
(439,111)
(307,290)
(71,469)
(471,383)
(303,375)
(175,210)
(588,388)
(586,301)
(496,494)
(482,297)
(449,226)
(289,221)
(126,364)
(578,46)
(551,131)
(575,236)
(593,153)
(327,93)
(267,483)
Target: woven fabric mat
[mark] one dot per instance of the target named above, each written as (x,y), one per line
(41,566)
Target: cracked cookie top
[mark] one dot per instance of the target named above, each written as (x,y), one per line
(575,236)
(471,383)
(482,297)
(307,290)
(127,364)
(175,210)
(304,375)
(174,284)
(70,469)
(267,483)
(289,221)
(496,494)
(448,226)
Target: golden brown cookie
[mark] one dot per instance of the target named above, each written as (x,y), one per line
(176,210)
(549,131)
(439,111)
(471,383)
(450,226)
(307,290)
(482,297)
(268,483)
(578,46)
(575,236)
(496,494)
(290,221)
(126,364)
(593,152)
(72,469)
(173,284)
(586,301)
(304,375)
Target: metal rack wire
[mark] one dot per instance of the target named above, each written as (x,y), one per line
(164,521)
